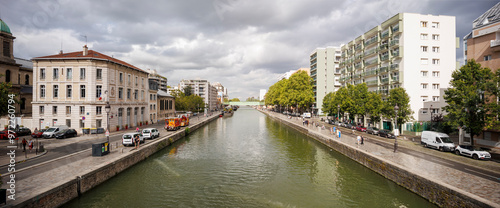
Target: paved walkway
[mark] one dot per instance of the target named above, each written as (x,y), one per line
(472,184)
(27,188)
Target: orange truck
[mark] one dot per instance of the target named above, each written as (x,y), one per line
(172,124)
(184,121)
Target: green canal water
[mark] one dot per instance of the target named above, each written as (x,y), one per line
(248,160)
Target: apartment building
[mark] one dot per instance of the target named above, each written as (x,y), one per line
(413,51)
(153,97)
(203,89)
(483,45)
(72,89)
(288,74)
(325,72)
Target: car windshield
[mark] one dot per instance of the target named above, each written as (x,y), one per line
(374,128)
(127,136)
(446,140)
(477,149)
(51,129)
(43,130)
(63,131)
(145,131)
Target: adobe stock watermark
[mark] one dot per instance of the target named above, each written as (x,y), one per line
(11,168)
(40,19)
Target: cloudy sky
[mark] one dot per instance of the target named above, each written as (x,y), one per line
(245,45)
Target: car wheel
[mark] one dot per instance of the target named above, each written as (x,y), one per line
(425,145)
(457,152)
(475,157)
(441,149)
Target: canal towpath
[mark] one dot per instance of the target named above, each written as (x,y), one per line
(485,189)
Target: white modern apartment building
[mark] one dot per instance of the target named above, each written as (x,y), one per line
(203,89)
(325,72)
(221,91)
(72,89)
(413,51)
(262,95)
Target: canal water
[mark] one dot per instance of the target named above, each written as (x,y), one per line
(248,160)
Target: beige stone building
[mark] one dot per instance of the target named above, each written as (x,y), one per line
(166,105)
(72,89)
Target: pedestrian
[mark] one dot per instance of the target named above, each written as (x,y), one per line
(36,130)
(362,140)
(30,144)
(358,138)
(137,129)
(339,133)
(24,144)
(137,141)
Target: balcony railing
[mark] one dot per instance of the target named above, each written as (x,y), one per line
(383,69)
(370,52)
(395,29)
(394,42)
(373,82)
(383,47)
(494,43)
(395,78)
(395,53)
(394,67)
(370,62)
(371,40)
(357,66)
(385,34)
(384,80)
(369,73)
(384,57)
(358,47)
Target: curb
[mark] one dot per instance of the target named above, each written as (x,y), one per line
(27,159)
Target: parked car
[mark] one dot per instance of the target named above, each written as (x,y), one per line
(361,128)
(66,133)
(349,126)
(22,131)
(306,115)
(437,140)
(471,151)
(5,135)
(50,132)
(372,130)
(38,134)
(128,138)
(386,133)
(150,133)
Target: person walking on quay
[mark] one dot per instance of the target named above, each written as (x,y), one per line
(30,144)
(339,133)
(362,140)
(24,144)
(137,141)
(137,129)
(358,138)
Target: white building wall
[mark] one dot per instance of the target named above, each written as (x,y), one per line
(326,73)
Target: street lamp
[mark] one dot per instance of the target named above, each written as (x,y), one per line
(338,112)
(430,109)
(312,110)
(396,108)
(108,109)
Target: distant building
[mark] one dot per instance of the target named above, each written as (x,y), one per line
(203,89)
(161,80)
(152,98)
(483,45)
(325,73)
(221,92)
(72,89)
(262,95)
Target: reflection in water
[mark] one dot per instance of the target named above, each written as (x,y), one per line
(248,160)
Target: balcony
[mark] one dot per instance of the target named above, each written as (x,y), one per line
(395,79)
(383,69)
(383,91)
(384,34)
(371,41)
(394,42)
(495,45)
(370,73)
(383,47)
(370,62)
(396,54)
(371,83)
(395,29)
(394,67)
(359,56)
(384,57)
(384,80)
(370,52)
(358,47)
(357,65)
(313,57)
(313,62)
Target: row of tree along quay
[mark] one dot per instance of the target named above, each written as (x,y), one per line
(472,100)
(185,100)
(295,92)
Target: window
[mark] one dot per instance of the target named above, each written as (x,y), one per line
(136,81)
(435,86)
(42,91)
(68,110)
(423,36)
(120,93)
(82,91)
(424,86)
(150,96)
(435,74)
(42,73)
(69,90)
(423,73)
(98,91)
(487,58)
(424,61)
(98,110)
(129,79)
(27,80)
(423,24)
(423,48)
(42,109)
(82,124)
(82,110)
(136,94)
(56,91)
(435,61)
(424,98)
(68,122)
(435,37)
(121,77)
(435,49)
(99,74)
(6,48)
(54,110)
(435,98)
(143,82)
(55,73)
(98,123)
(128,93)
(82,73)
(142,95)
(69,73)
(435,25)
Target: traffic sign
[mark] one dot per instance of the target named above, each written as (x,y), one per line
(107,133)
(83,117)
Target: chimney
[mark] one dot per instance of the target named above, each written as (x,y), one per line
(61,52)
(85,50)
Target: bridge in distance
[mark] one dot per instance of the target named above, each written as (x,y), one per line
(244,103)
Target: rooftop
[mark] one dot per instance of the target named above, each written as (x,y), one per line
(489,17)
(4,27)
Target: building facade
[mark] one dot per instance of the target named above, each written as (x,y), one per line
(483,45)
(17,71)
(325,72)
(413,51)
(152,98)
(203,89)
(166,105)
(72,89)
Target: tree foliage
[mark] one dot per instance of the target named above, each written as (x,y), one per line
(5,88)
(399,97)
(295,91)
(188,90)
(188,103)
(235,100)
(469,98)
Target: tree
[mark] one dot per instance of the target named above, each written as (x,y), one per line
(187,103)
(5,88)
(188,90)
(398,96)
(374,106)
(468,98)
(234,100)
(298,90)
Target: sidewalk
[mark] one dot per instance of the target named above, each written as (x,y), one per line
(472,184)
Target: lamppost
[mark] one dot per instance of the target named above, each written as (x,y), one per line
(312,110)
(396,108)
(338,112)
(108,109)
(430,109)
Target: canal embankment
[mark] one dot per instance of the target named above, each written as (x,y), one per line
(63,183)
(443,186)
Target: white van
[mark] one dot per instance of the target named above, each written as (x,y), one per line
(306,115)
(437,140)
(50,132)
